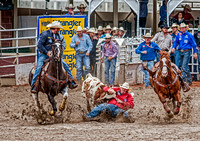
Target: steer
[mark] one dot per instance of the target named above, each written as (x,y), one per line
(93,91)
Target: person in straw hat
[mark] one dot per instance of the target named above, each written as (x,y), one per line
(175,32)
(123,101)
(82,10)
(147,51)
(163,39)
(110,52)
(94,40)
(114,31)
(100,31)
(83,46)
(70,8)
(186,42)
(107,30)
(45,50)
(197,40)
(121,32)
(84,31)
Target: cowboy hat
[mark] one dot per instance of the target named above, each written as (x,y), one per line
(108,27)
(148,35)
(100,28)
(108,36)
(81,6)
(125,86)
(79,28)
(70,6)
(183,25)
(91,30)
(114,29)
(174,25)
(164,25)
(55,24)
(169,30)
(188,7)
(85,29)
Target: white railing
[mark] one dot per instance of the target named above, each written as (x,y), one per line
(17,55)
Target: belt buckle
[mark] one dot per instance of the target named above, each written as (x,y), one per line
(182,50)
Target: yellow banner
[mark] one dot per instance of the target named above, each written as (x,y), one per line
(70,24)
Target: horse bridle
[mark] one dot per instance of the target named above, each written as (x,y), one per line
(56,48)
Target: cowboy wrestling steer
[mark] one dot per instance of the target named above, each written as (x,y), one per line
(93,91)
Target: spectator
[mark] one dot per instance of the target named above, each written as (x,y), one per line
(197,40)
(186,14)
(169,30)
(83,46)
(175,31)
(163,13)
(148,50)
(100,31)
(143,12)
(110,52)
(114,31)
(163,39)
(82,10)
(121,32)
(85,30)
(120,104)
(180,18)
(70,10)
(93,51)
(107,30)
(186,42)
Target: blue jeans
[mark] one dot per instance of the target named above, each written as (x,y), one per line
(110,65)
(80,60)
(198,53)
(157,56)
(110,108)
(40,63)
(177,60)
(184,58)
(146,73)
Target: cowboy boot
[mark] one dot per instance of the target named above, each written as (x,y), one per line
(72,84)
(184,85)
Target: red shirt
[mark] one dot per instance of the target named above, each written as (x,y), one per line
(128,101)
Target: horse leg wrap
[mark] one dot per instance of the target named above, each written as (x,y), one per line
(62,105)
(166,107)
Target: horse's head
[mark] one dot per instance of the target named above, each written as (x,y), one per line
(165,63)
(57,50)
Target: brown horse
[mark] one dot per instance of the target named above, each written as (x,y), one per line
(52,80)
(166,84)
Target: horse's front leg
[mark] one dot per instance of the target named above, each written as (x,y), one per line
(53,103)
(37,103)
(177,102)
(64,101)
(165,105)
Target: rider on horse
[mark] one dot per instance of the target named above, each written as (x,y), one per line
(45,46)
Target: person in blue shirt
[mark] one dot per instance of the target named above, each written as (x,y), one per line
(186,42)
(163,13)
(83,46)
(70,10)
(176,53)
(82,10)
(197,40)
(147,49)
(45,46)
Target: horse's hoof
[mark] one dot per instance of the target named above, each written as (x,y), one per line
(170,114)
(52,113)
(176,111)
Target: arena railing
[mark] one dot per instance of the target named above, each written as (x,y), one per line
(17,54)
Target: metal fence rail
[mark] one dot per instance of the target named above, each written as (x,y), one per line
(17,55)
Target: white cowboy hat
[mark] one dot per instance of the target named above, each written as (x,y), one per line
(70,6)
(81,6)
(91,30)
(108,36)
(169,30)
(85,29)
(100,28)
(174,25)
(114,29)
(108,27)
(79,28)
(55,24)
(125,86)
(183,25)
(121,28)
(148,35)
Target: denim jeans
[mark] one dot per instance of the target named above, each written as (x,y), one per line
(82,59)
(110,65)
(110,108)
(177,60)
(198,53)
(184,58)
(146,73)
(40,63)
(157,56)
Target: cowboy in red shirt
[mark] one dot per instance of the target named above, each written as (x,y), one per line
(120,104)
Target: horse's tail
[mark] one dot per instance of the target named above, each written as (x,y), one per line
(31,73)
